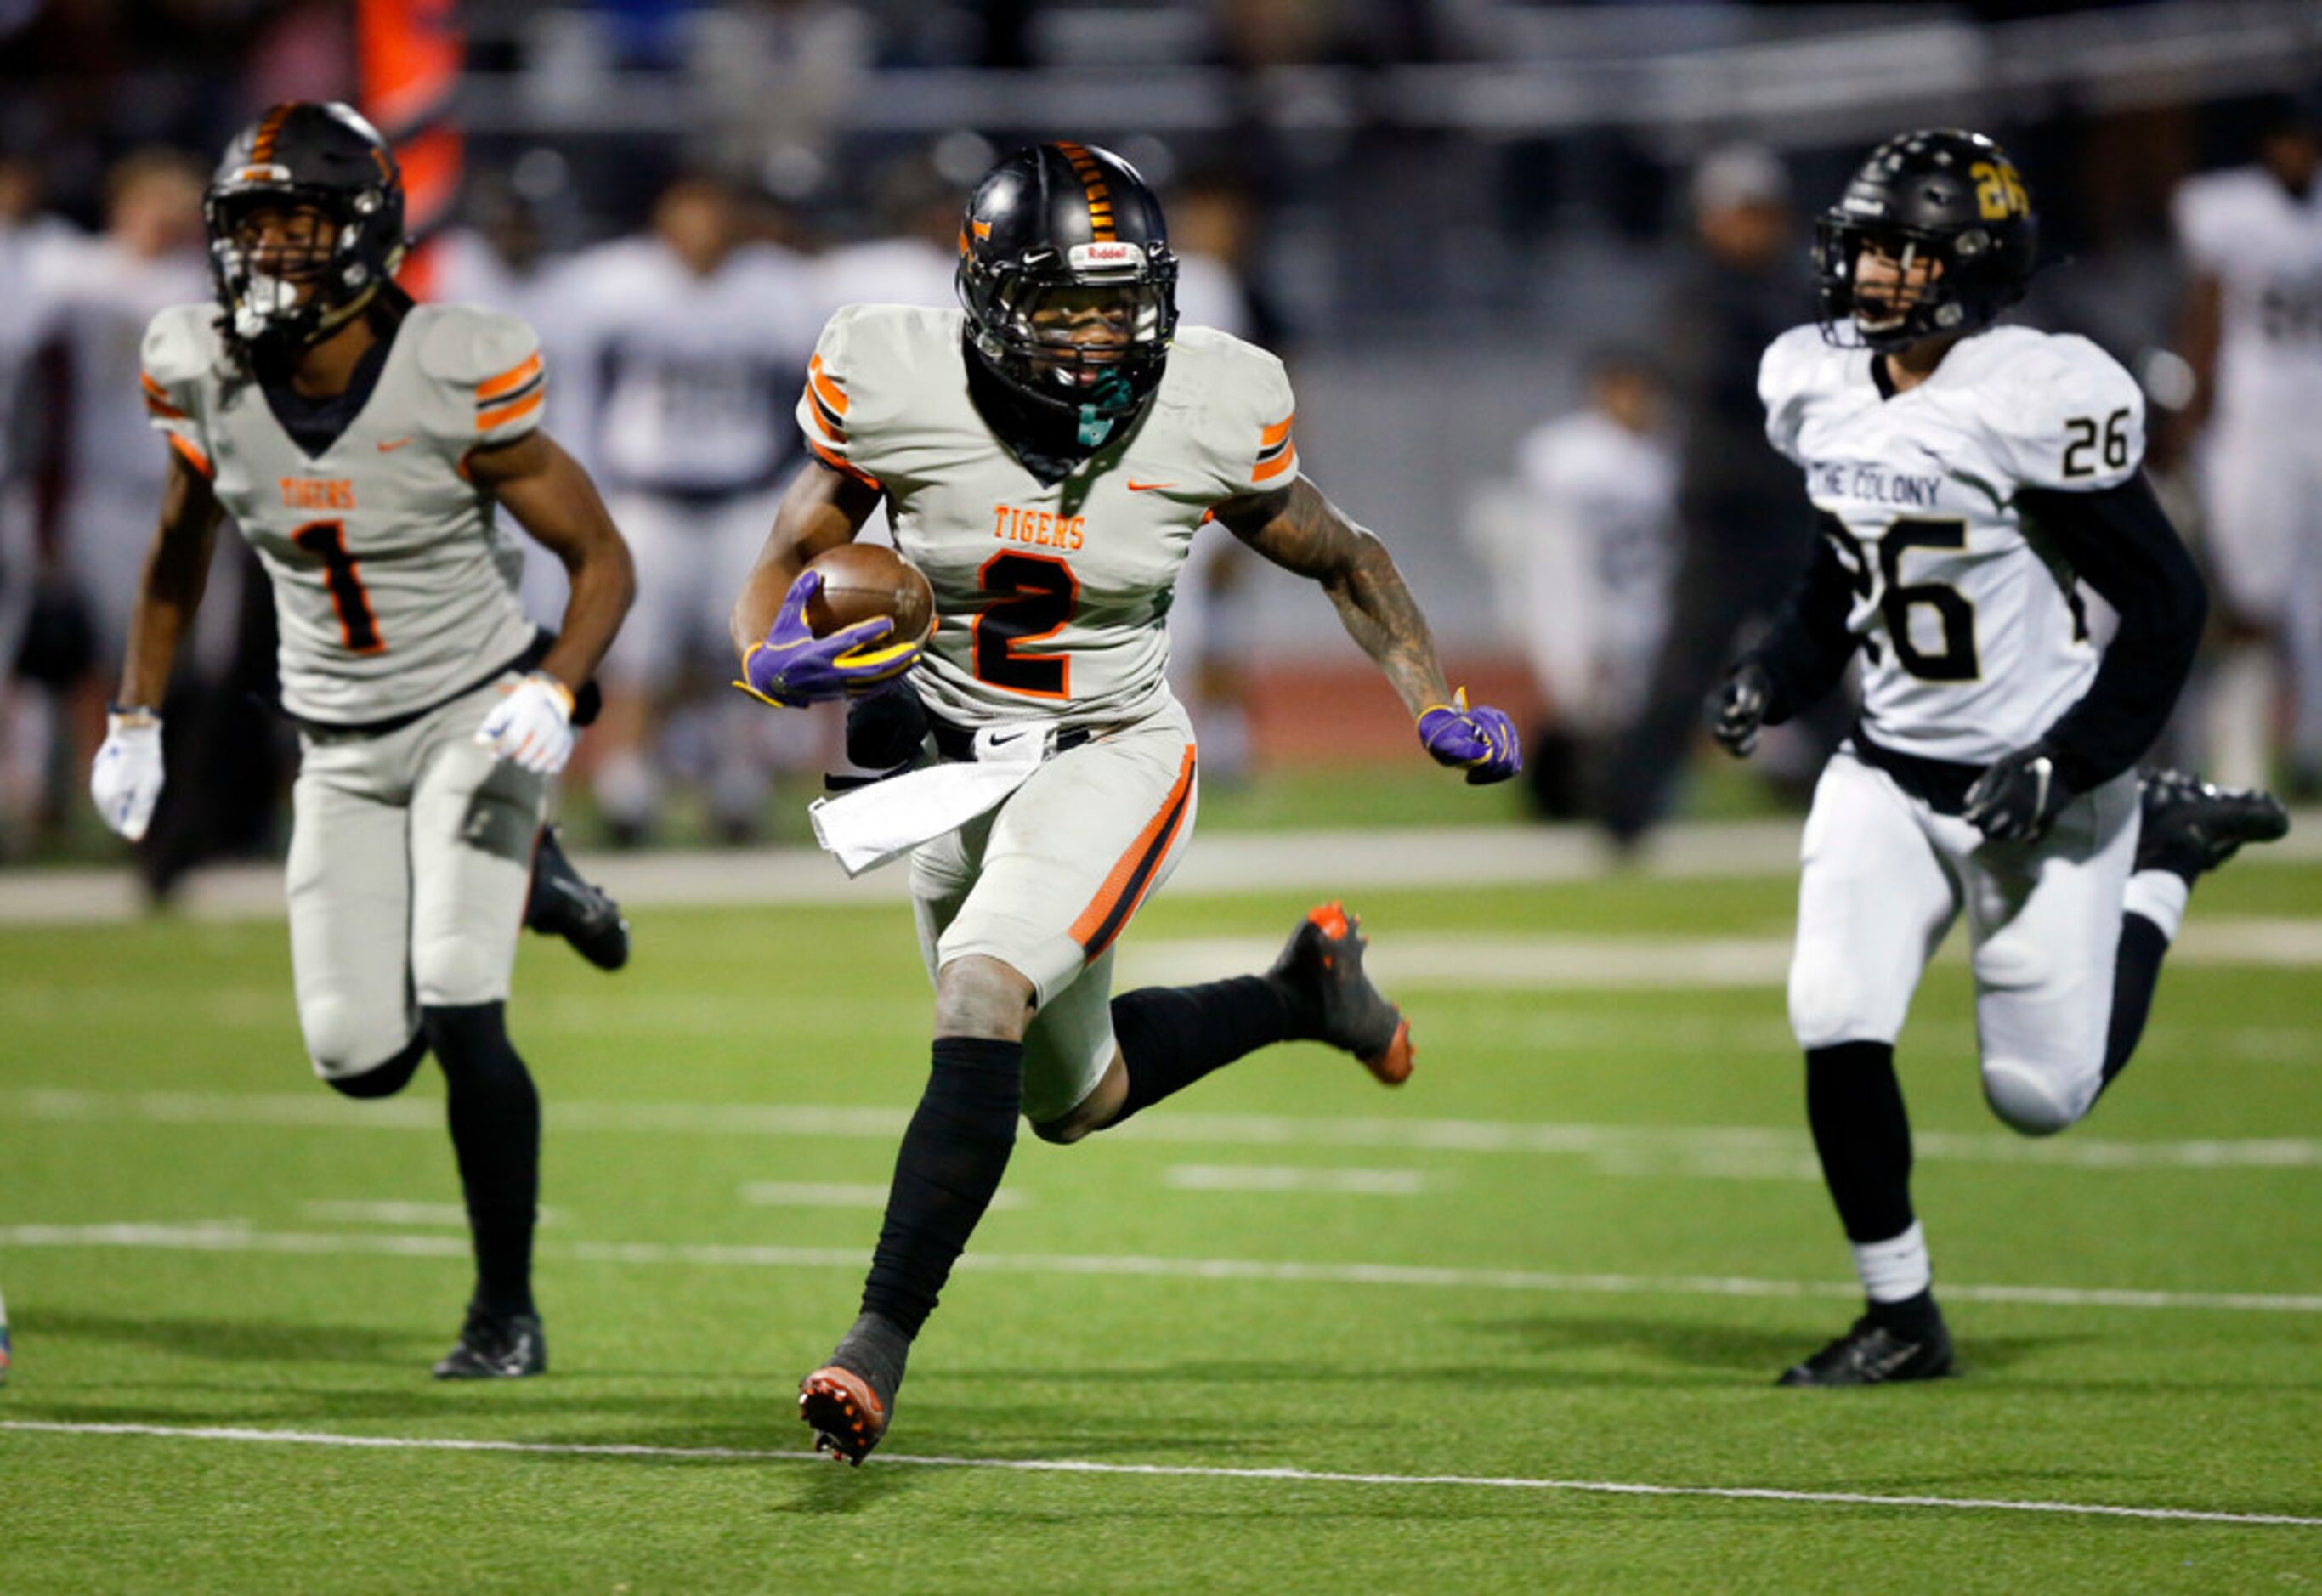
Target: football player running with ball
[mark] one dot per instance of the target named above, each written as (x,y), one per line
(360,442)
(1047,458)
(1966,475)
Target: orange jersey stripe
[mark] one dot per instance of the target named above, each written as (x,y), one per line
(1277,431)
(840,464)
(821,414)
(509,380)
(193,456)
(1132,873)
(829,391)
(157,400)
(1267,469)
(486,420)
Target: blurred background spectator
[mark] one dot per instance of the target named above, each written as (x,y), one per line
(1431,208)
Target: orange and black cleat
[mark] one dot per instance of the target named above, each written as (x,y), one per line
(848,1400)
(846,1416)
(1322,969)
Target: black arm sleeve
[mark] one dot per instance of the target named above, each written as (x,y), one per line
(1806,651)
(2120,542)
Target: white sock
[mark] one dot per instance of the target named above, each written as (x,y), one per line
(2160,895)
(1894,1271)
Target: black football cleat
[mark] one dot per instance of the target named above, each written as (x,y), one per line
(1322,966)
(849,1400)
(564,905)
(492,1347)
(2189,827)
(1871,1355)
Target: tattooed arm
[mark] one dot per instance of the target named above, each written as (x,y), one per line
(1300,530)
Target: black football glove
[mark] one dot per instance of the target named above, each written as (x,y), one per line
(1737,710)
(885,726)
(2019,797)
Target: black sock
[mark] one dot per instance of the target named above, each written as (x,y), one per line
(2134,973)
(946,1172)
(1172,1036)
(1854,1104)
(495,1115)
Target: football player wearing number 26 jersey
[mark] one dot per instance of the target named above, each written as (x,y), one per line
(361,442)
(1967,476)
(1046,453)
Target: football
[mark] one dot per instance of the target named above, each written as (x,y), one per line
(866,582)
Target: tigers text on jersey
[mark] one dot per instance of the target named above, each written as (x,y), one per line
(394,587)
(2263,244)
(1973,639)
(1051,597)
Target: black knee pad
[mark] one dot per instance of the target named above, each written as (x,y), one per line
(384,1080)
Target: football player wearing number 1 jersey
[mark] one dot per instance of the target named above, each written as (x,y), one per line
(1046,454)
(1967,476)
(361,442)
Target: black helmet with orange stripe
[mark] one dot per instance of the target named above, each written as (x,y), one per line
(305,220)
(1068,282)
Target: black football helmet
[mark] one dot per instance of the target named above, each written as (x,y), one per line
(1067,229)
(303,153)
(1939,195)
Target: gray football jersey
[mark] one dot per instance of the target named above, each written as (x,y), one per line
(394,587)
(1973,636)
(1051,598)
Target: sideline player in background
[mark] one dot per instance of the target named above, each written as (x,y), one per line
(2252,332)
(1047,458)
(361,442)
(1965,475)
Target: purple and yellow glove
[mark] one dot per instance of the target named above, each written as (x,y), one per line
(793,668)
(1481,742)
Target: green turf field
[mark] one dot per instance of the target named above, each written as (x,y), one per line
(1573,1251)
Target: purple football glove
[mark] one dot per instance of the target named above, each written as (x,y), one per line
(1481,741)
(793,668)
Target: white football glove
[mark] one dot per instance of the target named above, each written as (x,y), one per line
(126,778)
(532,727)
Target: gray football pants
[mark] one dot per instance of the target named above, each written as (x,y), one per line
(410,860)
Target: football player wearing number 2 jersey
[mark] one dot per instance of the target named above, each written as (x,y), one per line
(1047,458)
(360,442)
(1967,477)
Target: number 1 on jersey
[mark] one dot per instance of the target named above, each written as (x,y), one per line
(1033,596)
(327,541)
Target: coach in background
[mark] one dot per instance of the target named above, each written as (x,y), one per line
(1962,476)
(1743,531)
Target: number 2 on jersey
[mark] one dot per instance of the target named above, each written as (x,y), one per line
(326,541)
(1033,596)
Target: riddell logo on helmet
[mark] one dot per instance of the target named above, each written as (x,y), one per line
(1090,257)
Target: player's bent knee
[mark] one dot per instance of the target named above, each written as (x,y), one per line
(1825,1013)
(1063,1132)
(2028,1099)
(381,1080)
(979,996)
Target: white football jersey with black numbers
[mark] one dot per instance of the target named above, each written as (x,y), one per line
(1973,639)
(1051,598)
(393,584)
(2263,244)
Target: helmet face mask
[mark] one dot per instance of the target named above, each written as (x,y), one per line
(1945,224)
(1069,285)
(305,224)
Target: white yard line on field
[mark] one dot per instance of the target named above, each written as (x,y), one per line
(237,1236)
(1301,861)
(1150,1471)
(1633,1148)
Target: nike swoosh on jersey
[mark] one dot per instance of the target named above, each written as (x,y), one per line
(387,445)
(1136,487)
